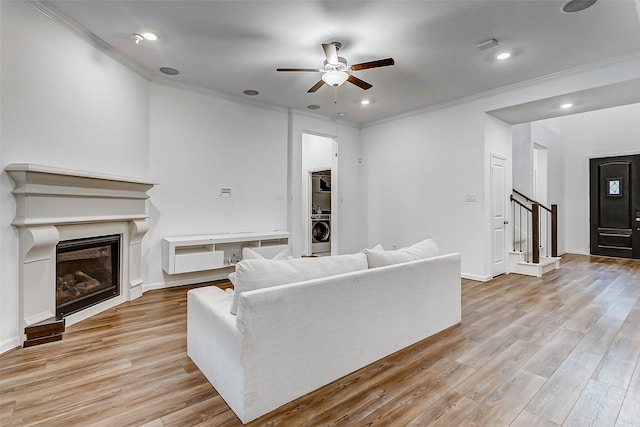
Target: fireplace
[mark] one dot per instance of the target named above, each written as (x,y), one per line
(87,273)
(68,222)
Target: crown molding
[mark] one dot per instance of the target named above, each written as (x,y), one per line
(70,24)
(217,94)
(505,89)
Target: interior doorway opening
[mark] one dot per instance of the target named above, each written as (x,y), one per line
(540,173)
(319,195)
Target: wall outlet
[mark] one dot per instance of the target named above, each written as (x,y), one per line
(470,198)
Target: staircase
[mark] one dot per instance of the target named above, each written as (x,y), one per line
(534,249)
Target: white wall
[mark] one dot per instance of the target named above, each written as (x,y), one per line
(198,145)
(316,153)
(417,172)
(602,133)
(523,159)
(64,104)
(352,231)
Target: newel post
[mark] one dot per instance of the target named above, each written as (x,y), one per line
(554,230)
(535,232)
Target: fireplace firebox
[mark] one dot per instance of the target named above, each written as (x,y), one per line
(87,273)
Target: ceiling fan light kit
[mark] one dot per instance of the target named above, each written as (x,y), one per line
(336,70)
(335,78)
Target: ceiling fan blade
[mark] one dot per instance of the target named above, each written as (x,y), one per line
(360,83)
(316,86)
(331,52)
(311,70)
(373,64)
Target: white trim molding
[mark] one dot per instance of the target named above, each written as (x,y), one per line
(476,277)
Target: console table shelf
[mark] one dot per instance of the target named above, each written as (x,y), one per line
(185,254)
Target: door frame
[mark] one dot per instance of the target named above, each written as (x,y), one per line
(504,265)
(305,203)
(588,191)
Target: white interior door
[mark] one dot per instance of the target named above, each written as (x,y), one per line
(498,215)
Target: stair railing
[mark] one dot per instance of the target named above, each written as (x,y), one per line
(541,224)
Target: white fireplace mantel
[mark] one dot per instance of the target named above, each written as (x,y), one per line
(54,204)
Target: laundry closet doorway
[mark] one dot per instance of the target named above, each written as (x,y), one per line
(319,195)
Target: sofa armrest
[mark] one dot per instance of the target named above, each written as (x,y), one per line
(214,342)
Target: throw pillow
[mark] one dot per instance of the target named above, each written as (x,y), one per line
(248,253)
(379,258)
(252,274)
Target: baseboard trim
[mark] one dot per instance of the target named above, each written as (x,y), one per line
(182,282)
(476,277)
(574,253)
(9,344)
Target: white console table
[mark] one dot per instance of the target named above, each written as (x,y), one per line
(185,254)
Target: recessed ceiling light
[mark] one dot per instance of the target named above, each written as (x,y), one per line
(169,71)
(566,106)
(150,36)
(313,107)
(577,5)
(365,102)
(503,55)
(251,92)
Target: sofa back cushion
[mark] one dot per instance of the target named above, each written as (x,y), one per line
(379,258)
(252,274)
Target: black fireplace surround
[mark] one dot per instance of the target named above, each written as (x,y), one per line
(87,272)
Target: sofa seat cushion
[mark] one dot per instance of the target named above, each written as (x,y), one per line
(252,274)
(379,258)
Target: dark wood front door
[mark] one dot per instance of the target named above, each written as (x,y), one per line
(615,206)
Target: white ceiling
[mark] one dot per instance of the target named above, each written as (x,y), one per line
(229,46)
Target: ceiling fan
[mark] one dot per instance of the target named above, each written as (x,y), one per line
(336,70)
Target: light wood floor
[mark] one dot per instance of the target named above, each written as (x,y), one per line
(560,350)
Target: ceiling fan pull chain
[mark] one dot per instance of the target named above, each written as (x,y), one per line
(335,96)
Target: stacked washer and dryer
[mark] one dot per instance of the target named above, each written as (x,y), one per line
(321,213)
